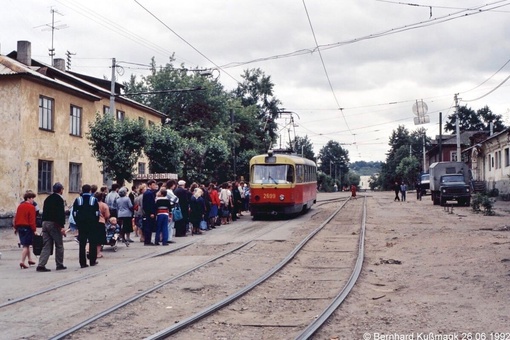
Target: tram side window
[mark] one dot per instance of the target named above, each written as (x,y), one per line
(300,173)
(290,174)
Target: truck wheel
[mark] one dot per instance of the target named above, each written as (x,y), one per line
(468,202)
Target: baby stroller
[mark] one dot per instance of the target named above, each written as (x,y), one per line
(113,235)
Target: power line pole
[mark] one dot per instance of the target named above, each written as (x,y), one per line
(112,90)
(457,126)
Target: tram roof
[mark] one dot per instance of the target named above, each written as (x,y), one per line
(282,159)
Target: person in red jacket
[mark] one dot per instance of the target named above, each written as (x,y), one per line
(25,227)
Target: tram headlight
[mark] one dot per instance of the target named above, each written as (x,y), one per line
(282,197)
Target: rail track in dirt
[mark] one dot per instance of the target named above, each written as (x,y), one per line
(218,292)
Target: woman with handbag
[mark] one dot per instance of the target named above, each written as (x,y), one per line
(25,226)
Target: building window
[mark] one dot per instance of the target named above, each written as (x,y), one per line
(46,109)
(106,109)
(44,176)
(498,160)
(141,168)
(141,120)
(74,177)
(121,115)
(75,121)
(507,157)
(453,156)
(151,124)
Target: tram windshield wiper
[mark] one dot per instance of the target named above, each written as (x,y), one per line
(271,178)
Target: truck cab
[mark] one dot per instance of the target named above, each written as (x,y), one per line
(425,184)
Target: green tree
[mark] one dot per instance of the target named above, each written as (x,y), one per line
(164,150)
(469,120)
(374,182)
(399,142)
(408,169)
(117,145)
(304,145)
(334,160)
(193,158)
(216,164)
(257,90)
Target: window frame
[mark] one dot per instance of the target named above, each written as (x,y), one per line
(141,168)
(46,114)
(75,175)
(120,115)
(75,121)
(44,176)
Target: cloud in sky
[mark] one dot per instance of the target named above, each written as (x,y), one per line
(380,56)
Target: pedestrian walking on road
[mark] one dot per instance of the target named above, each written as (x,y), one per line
(353,191)
(396,188)
(53,229)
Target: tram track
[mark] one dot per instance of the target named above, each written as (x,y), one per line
(87,327)
(192,322)
(270,309)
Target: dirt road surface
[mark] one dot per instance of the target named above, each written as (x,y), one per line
(429,273)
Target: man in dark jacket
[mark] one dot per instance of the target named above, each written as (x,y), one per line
(86,216)
(149,211)
(53,222)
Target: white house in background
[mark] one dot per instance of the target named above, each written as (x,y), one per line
(490,161)
(364,182)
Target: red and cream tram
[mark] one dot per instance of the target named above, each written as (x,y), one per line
(282,184)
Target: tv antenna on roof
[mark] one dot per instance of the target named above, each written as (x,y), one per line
(52,27)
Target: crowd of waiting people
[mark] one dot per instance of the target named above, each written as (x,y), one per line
(153,212)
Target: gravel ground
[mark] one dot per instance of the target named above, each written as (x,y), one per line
(429,274)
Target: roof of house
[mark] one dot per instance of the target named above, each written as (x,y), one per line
(452,139)
(82,85)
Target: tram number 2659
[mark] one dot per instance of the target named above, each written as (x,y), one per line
(269,196)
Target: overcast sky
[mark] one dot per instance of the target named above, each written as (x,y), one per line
(377,58)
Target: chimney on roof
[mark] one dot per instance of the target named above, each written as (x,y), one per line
(25,52)
(60,64)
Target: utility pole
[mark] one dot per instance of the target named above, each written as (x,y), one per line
(112,90)
(423,151)
(233,143)
(440,136)
(457,126)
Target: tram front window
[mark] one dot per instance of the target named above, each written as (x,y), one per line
(272,174)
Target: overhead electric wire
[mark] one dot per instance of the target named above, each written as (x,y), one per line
(114,27)
(185,41)
(485,95)
(324,65)
(427,6)
(421,24)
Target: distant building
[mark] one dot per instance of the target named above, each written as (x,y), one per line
(45,113)
(364,182)
(489,160)
(448,152)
